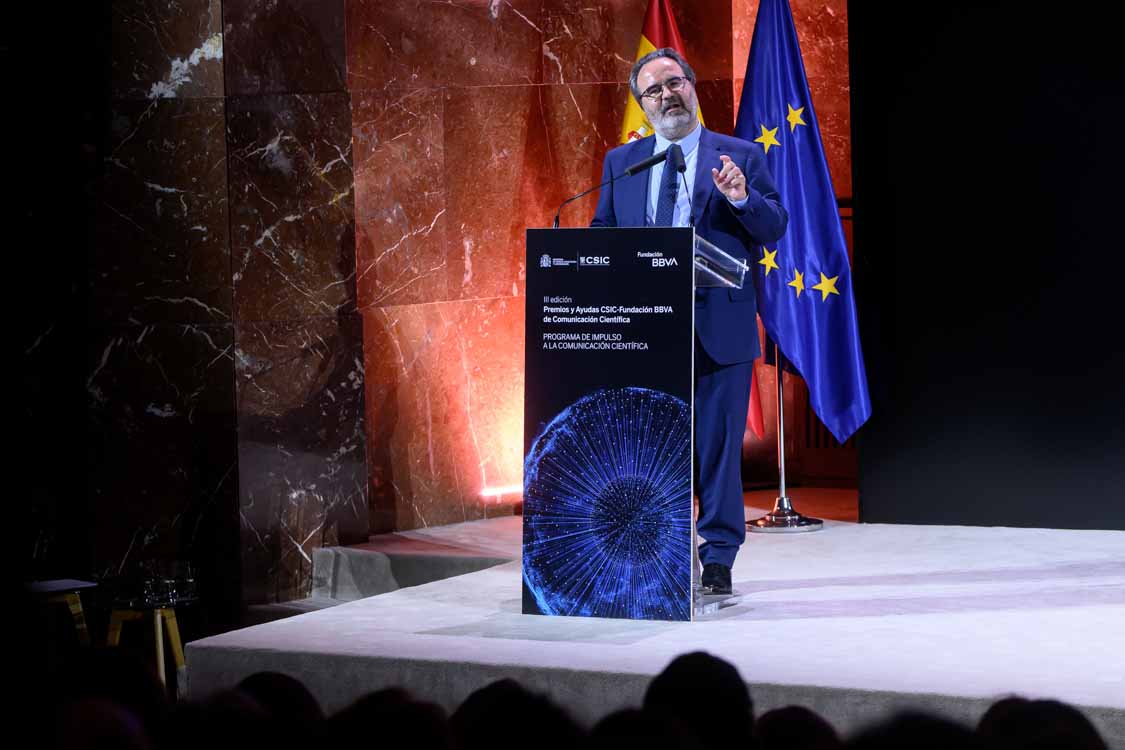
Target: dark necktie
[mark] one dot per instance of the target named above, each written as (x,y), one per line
(666,203)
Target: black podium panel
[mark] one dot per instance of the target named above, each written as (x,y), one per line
(608,423)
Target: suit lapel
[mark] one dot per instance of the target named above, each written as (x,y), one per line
(707,158)
(635,187)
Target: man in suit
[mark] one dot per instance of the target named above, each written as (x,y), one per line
(732,202)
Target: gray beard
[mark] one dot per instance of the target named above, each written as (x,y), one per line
(675,126)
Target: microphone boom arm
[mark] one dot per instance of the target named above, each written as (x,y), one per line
(640,166)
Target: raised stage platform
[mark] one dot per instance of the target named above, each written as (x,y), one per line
(855,621)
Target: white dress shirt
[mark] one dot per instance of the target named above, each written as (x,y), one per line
(682,213)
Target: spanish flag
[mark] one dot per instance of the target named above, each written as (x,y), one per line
(659,31)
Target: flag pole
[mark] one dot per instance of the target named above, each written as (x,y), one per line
(783,518)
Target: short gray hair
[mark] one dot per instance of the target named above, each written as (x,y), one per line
(668,52)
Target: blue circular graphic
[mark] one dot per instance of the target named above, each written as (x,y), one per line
(607,508)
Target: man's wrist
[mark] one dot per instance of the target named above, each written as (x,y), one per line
(751,206)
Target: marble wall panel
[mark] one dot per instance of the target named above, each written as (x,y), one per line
(743,14)
(284,46)
(301,448)
(583,122)
(597,42)
(292,227)
(160,443)
(590,42)
(180,273)
(445,409)
(421,44)
(161,241)
(400,179)
(166,48)
(717,104)
(822,30)
(495,186)
(706,30)
(550,148)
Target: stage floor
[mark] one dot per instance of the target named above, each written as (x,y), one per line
(854,621)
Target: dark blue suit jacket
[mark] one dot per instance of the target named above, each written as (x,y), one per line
(724,318)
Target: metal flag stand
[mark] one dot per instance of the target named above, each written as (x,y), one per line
(782,519)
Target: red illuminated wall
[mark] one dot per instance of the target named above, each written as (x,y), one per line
(470,122)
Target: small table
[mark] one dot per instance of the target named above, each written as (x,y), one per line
(65,591)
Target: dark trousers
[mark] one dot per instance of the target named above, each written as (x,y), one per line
(722,397)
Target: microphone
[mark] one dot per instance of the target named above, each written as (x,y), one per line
(652,161)
(640,166)
(676,158)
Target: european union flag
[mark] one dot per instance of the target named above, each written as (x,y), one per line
(804,281)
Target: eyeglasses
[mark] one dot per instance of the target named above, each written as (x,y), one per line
(675,84)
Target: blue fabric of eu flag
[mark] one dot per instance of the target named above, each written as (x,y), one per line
(804,281)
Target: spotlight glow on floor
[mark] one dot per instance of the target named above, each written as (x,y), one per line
(507,489)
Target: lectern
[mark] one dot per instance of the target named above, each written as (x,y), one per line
(608,527)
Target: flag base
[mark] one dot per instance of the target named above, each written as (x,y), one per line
(784,520)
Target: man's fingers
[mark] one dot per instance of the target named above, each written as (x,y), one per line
(729,179)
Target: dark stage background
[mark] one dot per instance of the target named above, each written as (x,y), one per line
(988,181)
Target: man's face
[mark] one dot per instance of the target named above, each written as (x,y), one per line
(674,114)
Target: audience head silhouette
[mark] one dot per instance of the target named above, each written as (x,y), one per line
(393,718)
(707,695)
(1021,724)
(794,728)
(506,716)
(634,729)
(915,730)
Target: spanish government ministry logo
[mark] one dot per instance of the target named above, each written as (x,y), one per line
(544,261)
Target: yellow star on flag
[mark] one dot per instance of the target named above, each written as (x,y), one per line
(794,118)
(768,260)
(768,138)
(798,282)
(826,286)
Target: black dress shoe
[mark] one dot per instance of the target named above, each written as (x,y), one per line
(716,579)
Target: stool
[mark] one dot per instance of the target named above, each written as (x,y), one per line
(160,617)
(65,591)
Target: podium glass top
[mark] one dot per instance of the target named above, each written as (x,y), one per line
(715,267)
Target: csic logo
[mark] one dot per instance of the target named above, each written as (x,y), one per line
(544,261)
(593,260)
(664,262)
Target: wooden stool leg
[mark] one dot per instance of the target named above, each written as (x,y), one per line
(116,618)
(158,631)
(75,604)
(177,651)
(113,636)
